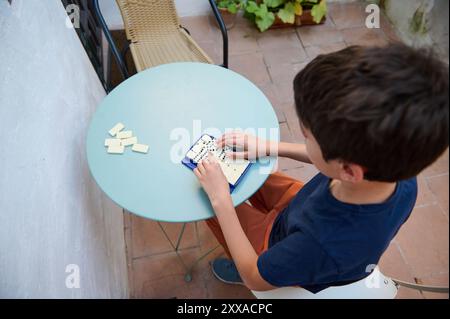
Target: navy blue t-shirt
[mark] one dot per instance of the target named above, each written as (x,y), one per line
(318,241)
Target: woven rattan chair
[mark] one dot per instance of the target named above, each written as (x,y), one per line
(155,35)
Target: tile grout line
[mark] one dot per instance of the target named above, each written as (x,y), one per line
(408,266)
(168,252)
(435,176)
(132,292)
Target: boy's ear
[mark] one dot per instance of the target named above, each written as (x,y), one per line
(351,172)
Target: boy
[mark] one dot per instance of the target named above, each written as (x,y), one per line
(372,119)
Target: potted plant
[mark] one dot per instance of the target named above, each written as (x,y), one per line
(280,13)
(228,9)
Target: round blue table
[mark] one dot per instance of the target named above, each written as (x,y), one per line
(168,107)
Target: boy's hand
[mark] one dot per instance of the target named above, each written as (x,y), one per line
(248,146)
(213,181)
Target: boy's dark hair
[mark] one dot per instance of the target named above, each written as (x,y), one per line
(385,109)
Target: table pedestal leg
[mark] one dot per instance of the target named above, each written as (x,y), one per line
(188,274)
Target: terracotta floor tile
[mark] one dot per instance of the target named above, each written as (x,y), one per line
(252,66)
(424,195)
(189,238)
(439,167)
(284,92)
(364,36)
(319,35)
(286,136)
(219,290)
(314,51)
(129,259)
(242,40)
(156,266)
(213,50)
(162,276)
(440,280)
(304,173)
(439,187)
(201,28)
(424,241)
(126,219)
(269,91)
(293,123)
(393,265)
(207,239)
(279,39)
(172,287)
(147,237)
(275,57)
(281,73)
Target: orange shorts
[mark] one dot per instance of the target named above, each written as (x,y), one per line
(257,219)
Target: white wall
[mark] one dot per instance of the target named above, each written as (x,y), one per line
(51,212)
(404,14)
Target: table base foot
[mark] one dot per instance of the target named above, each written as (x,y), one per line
(187,277)
(176,249)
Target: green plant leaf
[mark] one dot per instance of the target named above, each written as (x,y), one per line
(263,18)
(262,11)
(222,4)
(287,14)
(232,8)
(318,11)
(274,3)
(265,22)
(298,9)
(251,7)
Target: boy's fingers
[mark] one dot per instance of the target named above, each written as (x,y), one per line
(201,167)
(234,141)
(197,173)
(237,155)
(231,139)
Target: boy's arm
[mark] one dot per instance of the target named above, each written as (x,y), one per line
(216,187)
(297,152)
(252,147)
(240,248)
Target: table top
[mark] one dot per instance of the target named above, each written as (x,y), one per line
(168,108)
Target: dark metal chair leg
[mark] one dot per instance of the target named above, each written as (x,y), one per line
(120,62)
(223,29)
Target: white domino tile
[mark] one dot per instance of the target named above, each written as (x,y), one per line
(113,142)
(124,134)
(129,141)
(116,129)
(140,148)
(116,149)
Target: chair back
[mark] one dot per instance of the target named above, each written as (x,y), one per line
(148,19)
(374,286)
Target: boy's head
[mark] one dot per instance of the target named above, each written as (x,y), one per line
(379,114)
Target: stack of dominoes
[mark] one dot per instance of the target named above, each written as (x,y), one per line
(121,139)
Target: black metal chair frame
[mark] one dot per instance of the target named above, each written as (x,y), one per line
(120,56)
